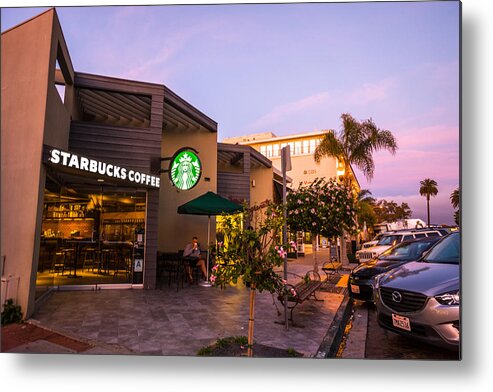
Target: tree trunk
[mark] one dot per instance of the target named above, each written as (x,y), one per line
(428,205)
(344,259)
(314,250)
(251,320)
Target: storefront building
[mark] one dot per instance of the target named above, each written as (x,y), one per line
(246,176)
(93,170)
(302,146)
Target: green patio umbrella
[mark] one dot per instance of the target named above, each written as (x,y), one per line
(210,204)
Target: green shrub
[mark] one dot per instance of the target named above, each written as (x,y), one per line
(11,313)
(205,351)
(293,353)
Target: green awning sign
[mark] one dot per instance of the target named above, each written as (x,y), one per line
(185,169)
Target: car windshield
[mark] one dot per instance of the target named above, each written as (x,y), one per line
(446,251)
(389,240)
(407,251)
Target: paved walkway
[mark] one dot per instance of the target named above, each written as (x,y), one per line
(170,322)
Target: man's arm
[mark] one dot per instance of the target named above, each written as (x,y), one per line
(188,250)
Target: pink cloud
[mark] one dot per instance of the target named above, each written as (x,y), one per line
(432,136)
(160,66)
(370,92)
(281,112)
(407,168)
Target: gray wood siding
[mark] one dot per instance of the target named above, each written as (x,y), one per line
(234,186)
(152,218)
(129,147)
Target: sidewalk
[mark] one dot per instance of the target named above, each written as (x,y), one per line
(171,322)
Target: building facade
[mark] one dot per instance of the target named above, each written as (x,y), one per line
(302,146)
(94,168)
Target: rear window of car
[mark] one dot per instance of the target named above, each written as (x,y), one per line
(420,235)
(447,250)
(407,251)
(433,234)
(408,238)
(390,240)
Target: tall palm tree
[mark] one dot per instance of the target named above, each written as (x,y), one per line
(355,145)
(455,200)
(366,213)
(428,188)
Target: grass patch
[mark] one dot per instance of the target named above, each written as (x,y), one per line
(237,346)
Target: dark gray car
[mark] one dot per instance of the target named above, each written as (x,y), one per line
(421,299)
(360,283)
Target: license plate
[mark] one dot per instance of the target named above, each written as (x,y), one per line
(354,289)
(401,322)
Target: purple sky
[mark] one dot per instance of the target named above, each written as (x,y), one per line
(291,68)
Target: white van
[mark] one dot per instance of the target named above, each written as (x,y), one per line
(391,239)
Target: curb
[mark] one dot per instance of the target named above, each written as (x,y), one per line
(332,340)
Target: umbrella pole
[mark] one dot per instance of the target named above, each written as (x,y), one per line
(207,283)
(208,241)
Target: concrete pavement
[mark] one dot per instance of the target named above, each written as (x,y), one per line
(171,322)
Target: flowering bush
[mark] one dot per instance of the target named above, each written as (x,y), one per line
(252,253)
(323,207)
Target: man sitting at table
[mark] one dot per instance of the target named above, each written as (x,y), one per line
(192,254)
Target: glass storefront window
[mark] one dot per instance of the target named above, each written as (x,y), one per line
(88,235)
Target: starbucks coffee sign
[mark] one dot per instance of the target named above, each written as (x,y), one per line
(185,169)
(80,165)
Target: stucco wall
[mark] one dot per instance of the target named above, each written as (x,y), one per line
(176,230)
(28,69)
(305,169)
(264,186)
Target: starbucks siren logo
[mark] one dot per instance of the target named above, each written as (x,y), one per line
(185,170)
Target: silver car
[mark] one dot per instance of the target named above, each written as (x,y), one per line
(422,299)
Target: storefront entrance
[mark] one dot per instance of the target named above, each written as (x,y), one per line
(92,234)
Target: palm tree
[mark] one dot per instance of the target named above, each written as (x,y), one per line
(428,188)
(366,214)
(365,195)
(455,200)
(355,145)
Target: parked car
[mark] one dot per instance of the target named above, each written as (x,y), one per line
(422,299)
(360,282)
(391,239)
(373,242)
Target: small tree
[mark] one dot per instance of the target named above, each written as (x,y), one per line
(323,207)
(390,211)
(251,254)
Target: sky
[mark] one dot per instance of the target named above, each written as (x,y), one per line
(293,68)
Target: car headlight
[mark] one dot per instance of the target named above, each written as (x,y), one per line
(451,298)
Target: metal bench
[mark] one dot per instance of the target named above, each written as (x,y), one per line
(300,292)
(331,268)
